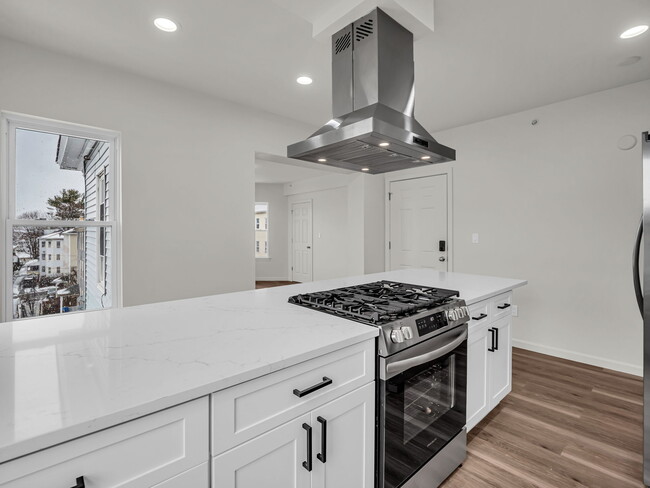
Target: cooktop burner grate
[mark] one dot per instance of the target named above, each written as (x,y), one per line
(376,303)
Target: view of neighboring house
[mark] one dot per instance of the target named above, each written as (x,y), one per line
(73,268)
(58,253)
(261,230)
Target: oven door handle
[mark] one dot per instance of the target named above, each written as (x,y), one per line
(398,367)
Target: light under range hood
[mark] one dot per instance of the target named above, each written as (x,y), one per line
(373,128)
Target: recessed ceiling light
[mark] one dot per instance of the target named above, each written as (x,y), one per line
(322,160)
(304,80)
(425,157)
(365,169)
(384,144)
(634,31)
(165,25)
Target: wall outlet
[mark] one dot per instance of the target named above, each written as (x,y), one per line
(475,238)
(515,311)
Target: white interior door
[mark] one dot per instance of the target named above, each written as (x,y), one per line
(301,241)
(418,223)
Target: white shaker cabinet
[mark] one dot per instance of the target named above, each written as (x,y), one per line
(489,356)
(329,447)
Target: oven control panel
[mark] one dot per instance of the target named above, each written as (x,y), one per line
(431,323)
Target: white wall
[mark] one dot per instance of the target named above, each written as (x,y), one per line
(558,203)
(187,167)
(275,268)
(348,222)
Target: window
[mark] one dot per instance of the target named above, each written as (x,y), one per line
(101,216)
(261,229)
(73,202)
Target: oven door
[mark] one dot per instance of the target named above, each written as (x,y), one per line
(421,404)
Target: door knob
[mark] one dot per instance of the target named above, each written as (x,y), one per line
(441,259)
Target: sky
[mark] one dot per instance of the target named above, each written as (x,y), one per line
(38,177)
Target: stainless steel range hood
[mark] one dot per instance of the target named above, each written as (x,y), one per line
(373,128)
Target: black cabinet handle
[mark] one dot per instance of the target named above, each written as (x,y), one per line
(301,393)
(492,333)
(322,456)
(480,317)
(80,483)
(307,464)
(504,306)
(497,334)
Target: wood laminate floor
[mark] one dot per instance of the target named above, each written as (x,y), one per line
(565,424)
(271,284)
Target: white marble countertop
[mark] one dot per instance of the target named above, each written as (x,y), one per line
(67,376)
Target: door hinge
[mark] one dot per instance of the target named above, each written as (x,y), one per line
(291,268)
(389,245)
(390,195)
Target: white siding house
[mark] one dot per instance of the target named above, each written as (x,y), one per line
(93,243)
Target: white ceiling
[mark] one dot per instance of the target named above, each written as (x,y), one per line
(270,168)
(485,58)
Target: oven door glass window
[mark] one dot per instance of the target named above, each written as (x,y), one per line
(423,409)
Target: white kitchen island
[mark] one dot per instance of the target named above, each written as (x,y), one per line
(195,371)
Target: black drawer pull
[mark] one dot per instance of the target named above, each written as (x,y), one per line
(301,393)
(493,333)
(503,307)
(480,317)
(307,464)
(322,456)
(80,483)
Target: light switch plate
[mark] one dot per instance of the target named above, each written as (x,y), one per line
(475,238)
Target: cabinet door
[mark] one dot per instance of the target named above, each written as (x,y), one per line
(272,460)
(501,362)
(348,446)
(478,396)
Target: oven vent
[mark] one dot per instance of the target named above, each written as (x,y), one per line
(343,42)
(365,29)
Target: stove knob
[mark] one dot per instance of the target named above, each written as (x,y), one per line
(397,336)
(451,315)
(407,332)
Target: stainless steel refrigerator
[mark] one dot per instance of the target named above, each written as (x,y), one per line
(642,275)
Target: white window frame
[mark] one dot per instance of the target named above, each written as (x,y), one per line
(100,204)
(9,122)
(258,226)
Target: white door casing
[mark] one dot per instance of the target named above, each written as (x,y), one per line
(418,222)
(301,241)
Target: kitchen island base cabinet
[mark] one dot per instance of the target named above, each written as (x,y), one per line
(342,458)
(167,449)
(489,356)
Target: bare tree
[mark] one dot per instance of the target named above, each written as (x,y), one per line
(26,236)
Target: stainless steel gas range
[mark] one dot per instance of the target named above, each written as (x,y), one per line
(421,375)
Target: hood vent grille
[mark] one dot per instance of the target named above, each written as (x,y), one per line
(365,29)
(343,42)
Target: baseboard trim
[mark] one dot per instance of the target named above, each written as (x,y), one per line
(579,357)
(265,278)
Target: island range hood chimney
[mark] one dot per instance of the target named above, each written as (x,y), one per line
(373,128)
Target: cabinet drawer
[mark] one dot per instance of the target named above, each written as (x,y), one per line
(501,306)
(252,408)
(137,454)
(479,313)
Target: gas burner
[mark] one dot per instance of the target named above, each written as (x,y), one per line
(376,303)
